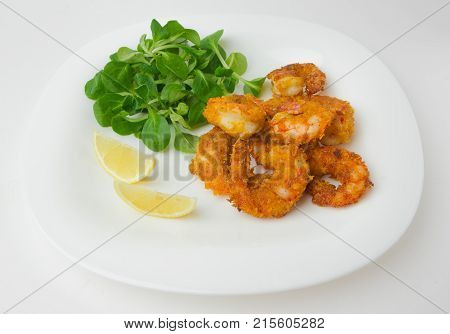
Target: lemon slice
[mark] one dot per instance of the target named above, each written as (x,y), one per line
(154,203)
(123,162)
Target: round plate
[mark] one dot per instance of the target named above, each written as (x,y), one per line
(218,250)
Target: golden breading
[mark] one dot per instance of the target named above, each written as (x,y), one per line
(301,120)
(341,128)
(346,167)
(275,104)
(211,161)
(264,155)
(272,194)
(297,79)
(237,115)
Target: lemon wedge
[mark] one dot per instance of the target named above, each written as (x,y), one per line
(154,203)
(121,161)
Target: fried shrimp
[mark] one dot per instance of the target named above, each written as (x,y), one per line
(263,155)
(346,167)
(274,193)
(211,160)
(301,120)
(295,79)
(237,115)
(275,104)
(341,128)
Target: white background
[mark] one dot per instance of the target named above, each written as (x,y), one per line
(420,61)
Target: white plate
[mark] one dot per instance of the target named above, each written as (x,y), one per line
(218,250)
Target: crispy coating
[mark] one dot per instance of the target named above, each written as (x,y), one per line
(341,128)
(297,79)
(275,104)
(237,115)
(274,193)
(346,167)
(211,160)
(300,120)
(261,155)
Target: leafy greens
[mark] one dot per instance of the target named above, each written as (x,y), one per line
(165,83)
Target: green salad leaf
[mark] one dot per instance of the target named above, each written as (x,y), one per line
(160,88)
(124,125)
(254,86)
(172,64)
(185,142)
(156,132)
(237,62)
(106,107)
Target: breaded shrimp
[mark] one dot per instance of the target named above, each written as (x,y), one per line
(211,161)
(341,128)
(301,121)
(237,115)
(275,104)
(270,194)
(297,79)
(342,165)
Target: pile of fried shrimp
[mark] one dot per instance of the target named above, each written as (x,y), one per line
(264,155)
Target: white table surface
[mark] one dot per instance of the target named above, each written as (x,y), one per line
(421,62)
